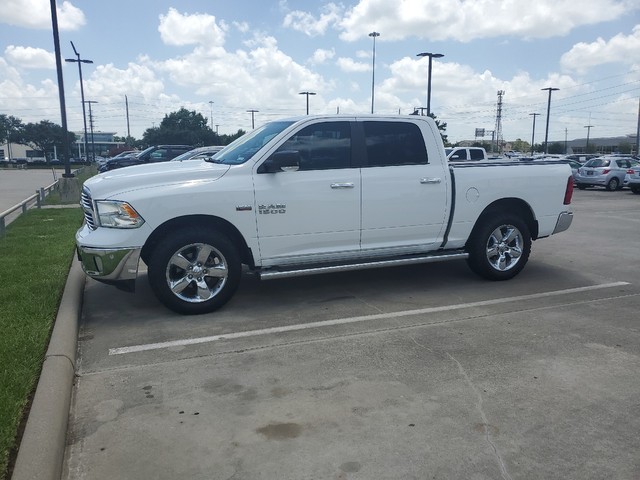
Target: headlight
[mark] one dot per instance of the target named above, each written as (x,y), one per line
(115,214)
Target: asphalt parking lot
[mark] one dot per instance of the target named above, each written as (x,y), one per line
(401,373)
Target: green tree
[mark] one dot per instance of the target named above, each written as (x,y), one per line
(10,128)
(44,136)
(227,139)
(520,145)
(182,127)
(555,148)
(624,147)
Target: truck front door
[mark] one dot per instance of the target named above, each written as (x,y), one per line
(311,211)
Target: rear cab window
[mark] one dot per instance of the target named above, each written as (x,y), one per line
(394,143)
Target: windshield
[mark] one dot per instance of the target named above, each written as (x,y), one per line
(144,151)
(598,162)
(447,151)
(245,147)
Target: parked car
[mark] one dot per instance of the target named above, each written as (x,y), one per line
(157,153)
(200,153)
(574,164)
(605,172)
(463,154)
(632,179)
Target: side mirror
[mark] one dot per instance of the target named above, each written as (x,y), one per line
(284,161)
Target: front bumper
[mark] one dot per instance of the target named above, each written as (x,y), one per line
(110,265)
(564,222)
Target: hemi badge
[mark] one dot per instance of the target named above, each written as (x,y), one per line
(243,208)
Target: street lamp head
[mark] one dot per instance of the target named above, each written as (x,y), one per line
(374,34)
(307,93)
(432,55)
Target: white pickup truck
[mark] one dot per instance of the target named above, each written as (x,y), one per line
(310,195)
(464,154)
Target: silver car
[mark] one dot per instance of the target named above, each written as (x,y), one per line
(200,153)
(605,172)
(632,179)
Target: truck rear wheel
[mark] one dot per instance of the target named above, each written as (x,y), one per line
(499,247)
(194,271)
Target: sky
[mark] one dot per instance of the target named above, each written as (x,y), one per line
(222,59)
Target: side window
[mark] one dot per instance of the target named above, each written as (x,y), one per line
(476,154)
(158,155)
(394,143)
(322,146)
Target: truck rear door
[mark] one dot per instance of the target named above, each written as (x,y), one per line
(404,195)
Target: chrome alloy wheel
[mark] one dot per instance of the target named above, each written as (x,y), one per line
(504,247)
(197,272)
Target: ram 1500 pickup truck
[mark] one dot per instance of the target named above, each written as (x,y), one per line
(310,195)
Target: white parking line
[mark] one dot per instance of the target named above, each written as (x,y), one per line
(342,321)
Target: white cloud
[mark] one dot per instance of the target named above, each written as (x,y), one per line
(261,74)
(178,29)
(309,25)
(351,66)
(29,57)
(621,48)
(37,14)
(322,55)
(468,20)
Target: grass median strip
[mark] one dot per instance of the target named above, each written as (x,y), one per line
(35,257)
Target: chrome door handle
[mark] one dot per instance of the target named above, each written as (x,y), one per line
(342,185)
(430,180)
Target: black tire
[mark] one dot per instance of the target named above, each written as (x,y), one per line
(194,271)
(635,190)
(613,184)
(581,186)
(499,246)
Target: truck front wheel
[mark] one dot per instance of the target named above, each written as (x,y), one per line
(499,247)
(194,271)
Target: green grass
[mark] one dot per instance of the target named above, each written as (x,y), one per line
(35,257)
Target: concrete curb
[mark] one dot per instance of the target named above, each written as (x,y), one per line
(41,453)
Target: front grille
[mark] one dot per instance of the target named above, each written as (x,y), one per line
(87,206)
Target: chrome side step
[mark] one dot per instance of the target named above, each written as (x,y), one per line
(396,262)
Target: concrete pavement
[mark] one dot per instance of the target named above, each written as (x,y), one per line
(430,373)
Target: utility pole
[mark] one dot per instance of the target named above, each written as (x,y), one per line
(638,131)
(533,133)
(546,134)
(588,127)
(126,104)
(499,140)
(80,61)
(252,112)
(211,105)
(93,145)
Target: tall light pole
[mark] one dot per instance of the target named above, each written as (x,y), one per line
(307,94)
(546,134)
(431,57)
(373,65)
(533,133)
(211,105)
(252,112)
(80,61)
(63,109)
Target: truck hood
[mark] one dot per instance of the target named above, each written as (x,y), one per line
(138,177)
